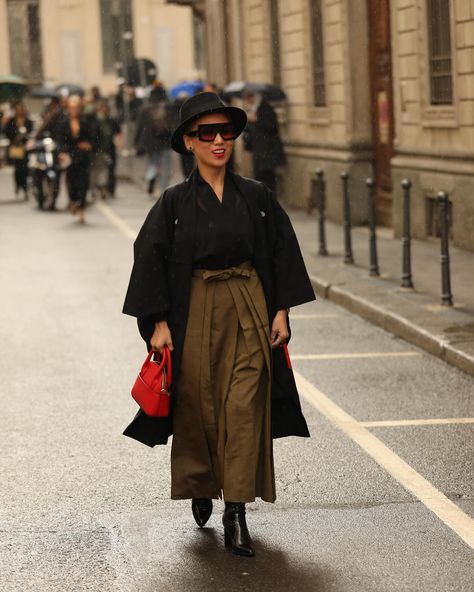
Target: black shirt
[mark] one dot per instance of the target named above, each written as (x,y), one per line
(224,233)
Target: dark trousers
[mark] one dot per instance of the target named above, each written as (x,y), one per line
(268,178)
(77,180)
(21,174)
(112,179)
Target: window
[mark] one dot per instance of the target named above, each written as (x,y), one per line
(275,41)
(25,39)
(199,35)
(439,39)
(319,82)
(117,33)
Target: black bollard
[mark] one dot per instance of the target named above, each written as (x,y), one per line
(348,257)
(322,212)
(374,264)
(446,294)
(407,281)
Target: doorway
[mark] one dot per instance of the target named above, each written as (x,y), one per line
(381,105)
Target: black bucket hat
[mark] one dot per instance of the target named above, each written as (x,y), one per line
(203,104)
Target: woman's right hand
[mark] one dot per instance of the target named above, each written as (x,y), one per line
(161,337)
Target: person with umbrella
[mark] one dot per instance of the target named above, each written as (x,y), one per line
(153,136)
(18,130)
(262,138)
(217,266)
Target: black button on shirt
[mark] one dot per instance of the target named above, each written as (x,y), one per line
(224,233)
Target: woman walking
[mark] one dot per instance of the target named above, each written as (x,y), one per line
(77,138)
(17,130)
(217,267)
(154,127)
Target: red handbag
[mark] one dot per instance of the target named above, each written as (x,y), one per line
(152,386)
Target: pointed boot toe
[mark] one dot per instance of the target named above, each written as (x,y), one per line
(202,510)
(236,533)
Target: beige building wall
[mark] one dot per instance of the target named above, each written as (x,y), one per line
(4,47)
(434,145)
(164,33)
(72,43)
(337,136)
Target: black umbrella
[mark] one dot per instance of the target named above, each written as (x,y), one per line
(12,88)
(67,90)
(271,92)
(43,92)
(62,90)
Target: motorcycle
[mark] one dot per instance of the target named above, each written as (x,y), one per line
(43,162)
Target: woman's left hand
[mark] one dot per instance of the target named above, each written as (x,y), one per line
(280,332)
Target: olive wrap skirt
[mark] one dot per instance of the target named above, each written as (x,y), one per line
(222,442)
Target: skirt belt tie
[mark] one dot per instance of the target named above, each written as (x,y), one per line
(216,275)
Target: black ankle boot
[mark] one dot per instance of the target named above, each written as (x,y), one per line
(237,535)
(202,510)
(151,186)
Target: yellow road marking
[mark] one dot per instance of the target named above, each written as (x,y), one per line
(116,220)
(354,355)
(450,514)
(416,422)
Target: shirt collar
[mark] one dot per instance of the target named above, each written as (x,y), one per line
(201,181)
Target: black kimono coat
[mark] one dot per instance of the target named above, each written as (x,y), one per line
(161,283)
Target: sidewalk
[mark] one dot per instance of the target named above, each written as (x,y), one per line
(415,315)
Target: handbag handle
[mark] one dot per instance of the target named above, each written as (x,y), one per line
(163,366)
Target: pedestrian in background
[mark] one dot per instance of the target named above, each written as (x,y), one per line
(17,130)
(187,160)
(52,117)
(153,135)
(77,140)
(262,139)
(217,266)
(105,157)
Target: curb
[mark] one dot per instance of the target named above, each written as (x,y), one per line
(395,324)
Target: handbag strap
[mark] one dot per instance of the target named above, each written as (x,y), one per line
(163,366)
(168,367)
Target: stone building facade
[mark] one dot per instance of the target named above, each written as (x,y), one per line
(81,41)
(381,88)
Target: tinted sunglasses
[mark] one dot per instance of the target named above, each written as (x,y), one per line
(207,132)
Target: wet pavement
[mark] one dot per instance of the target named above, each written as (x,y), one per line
(84,508)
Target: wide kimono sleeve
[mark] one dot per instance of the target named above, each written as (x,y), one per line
(148,292)
(292,285)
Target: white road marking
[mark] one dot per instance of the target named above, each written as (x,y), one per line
(116,220)
(416,422)
(314,316)
(450,514)
(434,500)
(354,355)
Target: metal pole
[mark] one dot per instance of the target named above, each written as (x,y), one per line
(322,212)
(446,294)
(407,281)
(374,264)
(348,257)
